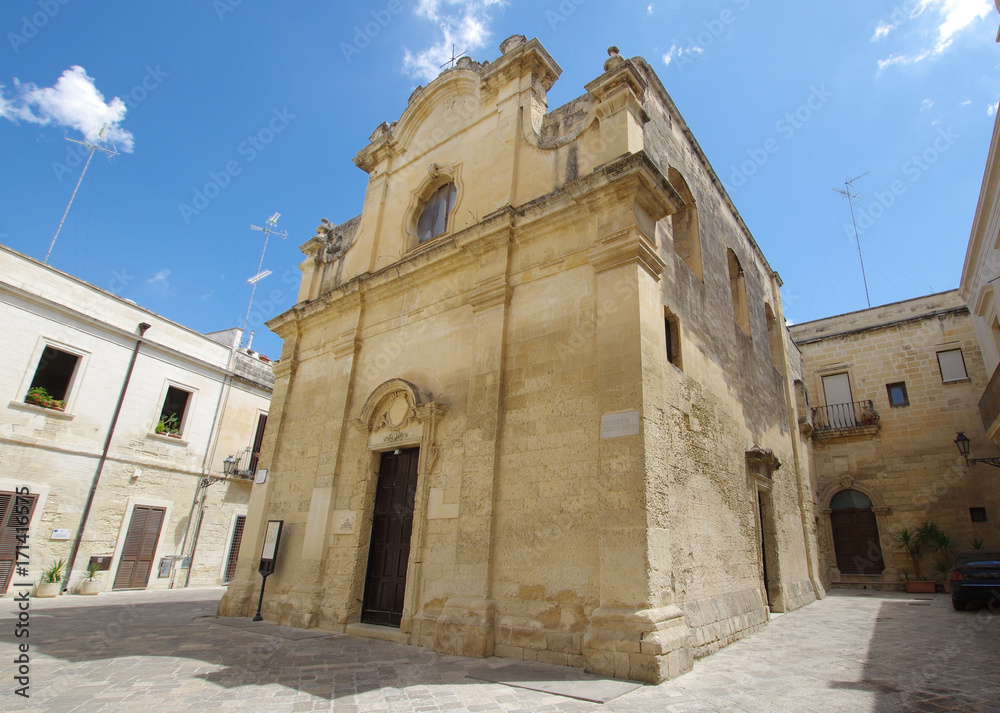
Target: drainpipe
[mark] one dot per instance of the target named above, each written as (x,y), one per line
(143,326)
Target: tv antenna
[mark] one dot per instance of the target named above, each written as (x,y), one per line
(454,58)
(851,195)
(269,228)
(111,152)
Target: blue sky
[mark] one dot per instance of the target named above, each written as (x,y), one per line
(224,112)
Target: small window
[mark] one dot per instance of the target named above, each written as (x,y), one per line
(897,394)
(433,219)
(738,288)
(952,365)
(174,410)
(673,333)
(53,376)
(978,514)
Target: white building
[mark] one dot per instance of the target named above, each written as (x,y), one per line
(117,423)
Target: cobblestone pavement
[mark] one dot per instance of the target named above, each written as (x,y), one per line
(161,651)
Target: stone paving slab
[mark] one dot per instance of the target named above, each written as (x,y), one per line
(269,628)
(156,651)
(557,680)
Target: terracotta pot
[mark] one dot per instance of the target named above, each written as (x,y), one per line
(49,589)
(921,587)
(91,586)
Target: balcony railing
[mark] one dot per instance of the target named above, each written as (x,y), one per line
(989,404)
(246,464)
(839,417)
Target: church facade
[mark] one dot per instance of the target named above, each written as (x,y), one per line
(537,400)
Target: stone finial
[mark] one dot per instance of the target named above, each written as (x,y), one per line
(511,42)
(325,227)
(614,60)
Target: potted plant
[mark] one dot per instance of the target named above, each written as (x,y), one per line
(38,396)
(169,426)
(51,579)
(942,544)
(90,585)
(912,543)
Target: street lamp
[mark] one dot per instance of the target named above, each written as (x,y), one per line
(229,465)
(965,447)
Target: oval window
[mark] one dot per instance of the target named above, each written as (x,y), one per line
(433,219)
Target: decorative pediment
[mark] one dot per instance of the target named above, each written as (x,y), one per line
(764,460)
(399,415)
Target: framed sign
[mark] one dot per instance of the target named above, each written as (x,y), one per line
(272,536)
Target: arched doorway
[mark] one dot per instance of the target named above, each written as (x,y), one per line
(855,534)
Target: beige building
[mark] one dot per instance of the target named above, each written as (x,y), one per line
(536,400)
(109,403)
(888,389)
(978,286)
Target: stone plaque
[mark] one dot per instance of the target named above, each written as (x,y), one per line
(616,425)
(344,522)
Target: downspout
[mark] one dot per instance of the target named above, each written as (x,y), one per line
(143,326)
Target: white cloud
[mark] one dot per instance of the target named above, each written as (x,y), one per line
(926,105)
(73,103)
(952,17)
(967,102)
(159,282)
(649,9)
(992,109)
(464,24)
(676,52)
(956,15)
(882,30)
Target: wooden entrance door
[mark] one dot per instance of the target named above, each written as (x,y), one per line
(855,540)
(15,515)
(389,551)
(140,547)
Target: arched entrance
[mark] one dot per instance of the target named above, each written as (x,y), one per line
(855,534)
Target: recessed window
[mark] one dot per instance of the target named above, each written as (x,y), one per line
(978,514)
(433,219)
(673,333)
(738,288)
(897,394)
(53,376)
(175,405)
(952,365)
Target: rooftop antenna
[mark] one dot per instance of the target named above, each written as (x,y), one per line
(454,58)
(269,227)
(851,196)
(111,152)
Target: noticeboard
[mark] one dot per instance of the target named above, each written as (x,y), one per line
(269,553)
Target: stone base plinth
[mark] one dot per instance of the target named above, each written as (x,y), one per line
(465,628)
(649,645)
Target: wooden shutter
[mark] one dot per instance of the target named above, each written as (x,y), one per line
(11,519)
(140,547)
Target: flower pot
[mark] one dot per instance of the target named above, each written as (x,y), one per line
(48,589)
(91,586)
(921,587)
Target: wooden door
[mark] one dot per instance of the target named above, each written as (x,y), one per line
(389,551)
(234,549)
(15,514)
(855,540)
(140,547)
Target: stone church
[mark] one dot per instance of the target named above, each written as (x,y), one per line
(536,401)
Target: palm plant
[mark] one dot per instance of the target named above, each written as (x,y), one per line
(912,544)
(54,572)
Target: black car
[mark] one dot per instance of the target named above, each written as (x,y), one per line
(976,578)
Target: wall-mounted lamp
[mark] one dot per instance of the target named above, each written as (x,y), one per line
(229,465)
(965,446)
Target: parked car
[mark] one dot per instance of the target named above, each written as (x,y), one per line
(975,577)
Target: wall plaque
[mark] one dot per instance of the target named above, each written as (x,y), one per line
(616,425)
